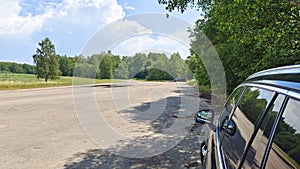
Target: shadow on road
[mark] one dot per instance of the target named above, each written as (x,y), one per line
(184,154)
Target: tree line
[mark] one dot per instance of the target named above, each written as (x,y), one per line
(105,65)
(248,36)
(151,66)
(11,67)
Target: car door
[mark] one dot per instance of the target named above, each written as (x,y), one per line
(213,157)
(237,130)
(255,150)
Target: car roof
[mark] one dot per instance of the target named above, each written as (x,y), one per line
(287,77)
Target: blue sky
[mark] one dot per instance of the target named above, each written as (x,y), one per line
(72,24)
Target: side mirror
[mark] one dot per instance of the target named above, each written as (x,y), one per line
(204,116)
(230,126)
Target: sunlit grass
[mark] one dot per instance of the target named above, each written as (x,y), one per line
(11,81)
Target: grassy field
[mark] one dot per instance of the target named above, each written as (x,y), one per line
(11,81)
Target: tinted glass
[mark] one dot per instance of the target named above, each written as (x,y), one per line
(256,151)
(229,106)
(285,151)
(243,121)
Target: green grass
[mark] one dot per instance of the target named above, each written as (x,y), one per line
(12,81)
(286,156)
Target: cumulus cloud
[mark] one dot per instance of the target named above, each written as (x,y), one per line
(113,34)
(147,42)
(68,23)
(165,35)
(15,20)
(12,23)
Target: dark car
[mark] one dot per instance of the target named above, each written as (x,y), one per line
(259,126)
(179,79)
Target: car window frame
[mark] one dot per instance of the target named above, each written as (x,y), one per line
(257,127)
(276,124)
(245,87)
(219,140)
(287,95)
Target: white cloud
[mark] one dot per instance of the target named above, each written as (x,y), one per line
(168,35)
(128,7)
(129,36)
(146,42)
(134,44)
(68,23)
(79,12)
(113,34)
(12,23)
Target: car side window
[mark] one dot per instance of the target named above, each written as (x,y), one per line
(285,151)
(241,126)
(256,151)
(229,106)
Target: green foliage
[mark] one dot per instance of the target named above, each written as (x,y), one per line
(47,62)
(121,72)
(158,74)
(252,105)
(137,64)
(28,69)
(66,65)
(287,134)
(105,65)
(177,66)
(295,152)
(249,36)
(106,68)
(154,66)
(115,61)
(182,5)
(85,70)
(16,68)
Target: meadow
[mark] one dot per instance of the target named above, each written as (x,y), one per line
(13,81)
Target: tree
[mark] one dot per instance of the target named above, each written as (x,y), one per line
(16,68)
(84,70)
(121,72)
(158,70)
(105,68)
(177,67)
(137,64)
(158,74)
(47,63)
(66,65)
(29,69)
(115,61)
(249,36)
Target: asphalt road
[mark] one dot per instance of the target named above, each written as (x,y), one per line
(46,128)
